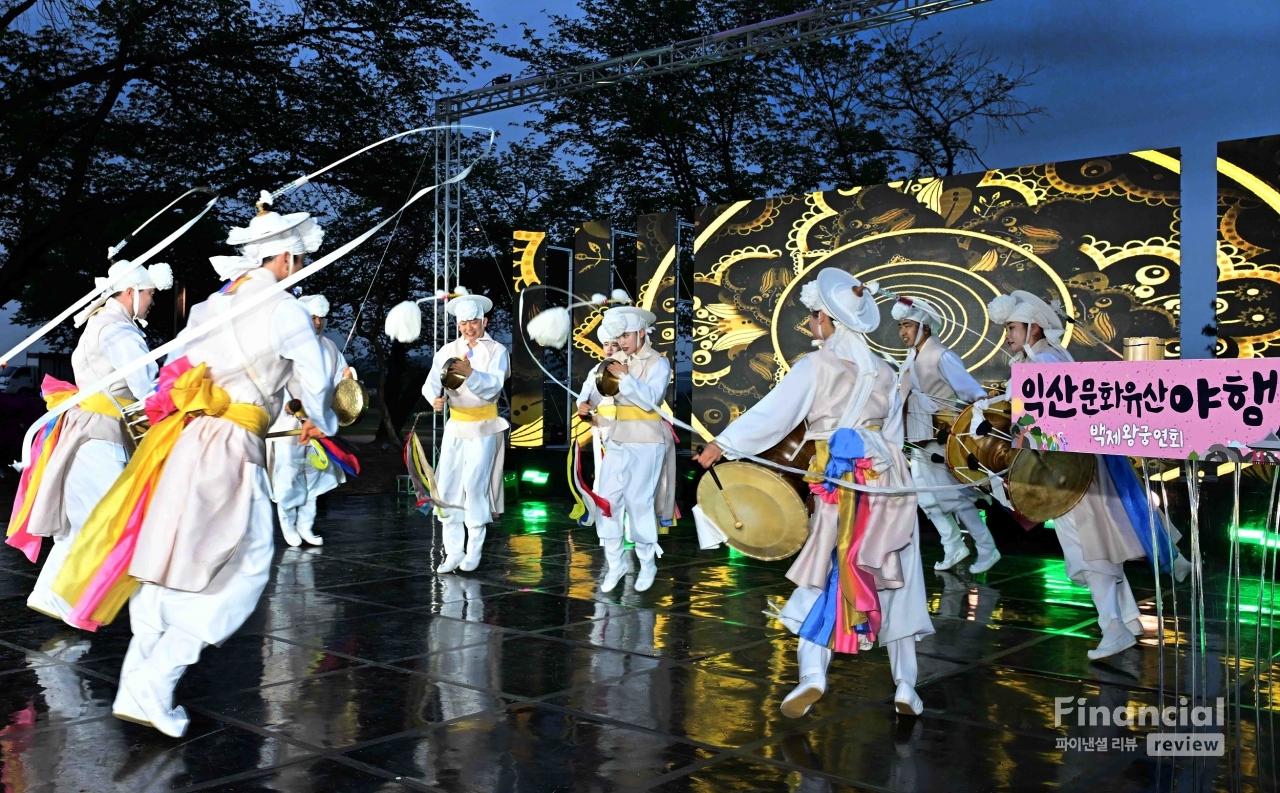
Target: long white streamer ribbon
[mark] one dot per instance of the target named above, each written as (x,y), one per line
(189,334)
(109,287)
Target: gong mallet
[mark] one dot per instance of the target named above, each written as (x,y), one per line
(737,524)
(294,408)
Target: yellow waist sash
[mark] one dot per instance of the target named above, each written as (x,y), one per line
(101,404)
(608,411)
(633,413)
(95,569)
(482,413)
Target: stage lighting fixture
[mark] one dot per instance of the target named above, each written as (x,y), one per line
(534,476)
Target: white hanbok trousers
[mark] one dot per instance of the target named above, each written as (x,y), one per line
(171,627)
(464,476)
(1106,580)
(628,480)
(97,465)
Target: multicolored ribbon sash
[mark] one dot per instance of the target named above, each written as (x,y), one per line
(334,451)
(95,579)
(55,392)
(582,491)
(422,477)
(849,605)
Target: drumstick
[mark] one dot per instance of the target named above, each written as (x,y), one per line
(737,524)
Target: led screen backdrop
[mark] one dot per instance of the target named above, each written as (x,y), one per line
(1099,235)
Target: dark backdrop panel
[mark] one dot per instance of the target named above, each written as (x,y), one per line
(665,283)
(592,273)
(560,405)
(1247,307)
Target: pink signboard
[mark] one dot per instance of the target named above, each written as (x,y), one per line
(1175,409)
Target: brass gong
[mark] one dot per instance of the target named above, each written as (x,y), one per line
(1043,485)
(606,383)
(349,400)
(451,380)
(1048,485)
(775,523)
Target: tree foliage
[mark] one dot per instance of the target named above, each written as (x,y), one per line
(850,111)
(109,109)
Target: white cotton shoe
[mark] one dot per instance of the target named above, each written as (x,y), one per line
(291,535)
(1135,627)
(308,537)
(126,708)
(612,576)
(953,559)
(1181,568)
(648,569)
(470,562)
(981,565)
(172,722)
(906,701)
(1116,638)
(475,548)
(802,697)
(450,563)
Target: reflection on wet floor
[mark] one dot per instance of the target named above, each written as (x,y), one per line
(363,670)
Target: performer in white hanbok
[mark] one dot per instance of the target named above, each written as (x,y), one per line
(1097,536)
(295,482)
(636,450)
(932,378)
(469,473)
(92,443)
(204,546)
(859,574)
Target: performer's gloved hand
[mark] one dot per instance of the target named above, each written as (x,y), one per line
(710,455)
(309,432)
(437,404)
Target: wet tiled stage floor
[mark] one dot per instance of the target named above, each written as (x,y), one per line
(363,670)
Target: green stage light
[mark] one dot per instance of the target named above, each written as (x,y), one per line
(1048,524)
(534,476)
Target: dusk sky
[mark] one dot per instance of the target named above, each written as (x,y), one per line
(1114,76)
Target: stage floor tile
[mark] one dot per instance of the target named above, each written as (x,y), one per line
(363,670)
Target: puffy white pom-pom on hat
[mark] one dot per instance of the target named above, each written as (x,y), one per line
(318,305)
(916,309)
(161,276)
(810,298)
(1001,308)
